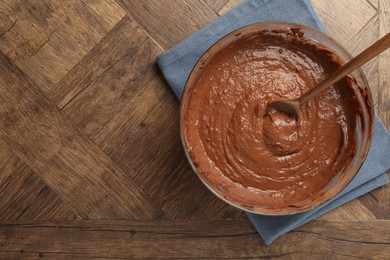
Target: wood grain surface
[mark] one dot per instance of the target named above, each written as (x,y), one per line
(91,163)
(229,239)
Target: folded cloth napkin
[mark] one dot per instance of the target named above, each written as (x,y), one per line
(177,63)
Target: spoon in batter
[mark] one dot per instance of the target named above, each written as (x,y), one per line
(291,107)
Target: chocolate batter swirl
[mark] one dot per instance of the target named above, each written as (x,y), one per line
(253,152)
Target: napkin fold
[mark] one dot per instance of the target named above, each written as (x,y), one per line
(176,65)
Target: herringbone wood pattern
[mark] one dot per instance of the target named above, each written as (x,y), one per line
(91,163)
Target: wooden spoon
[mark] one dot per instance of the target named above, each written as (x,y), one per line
(291,107)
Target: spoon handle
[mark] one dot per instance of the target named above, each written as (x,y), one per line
(353,64)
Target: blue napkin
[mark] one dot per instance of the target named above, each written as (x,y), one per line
(177,63)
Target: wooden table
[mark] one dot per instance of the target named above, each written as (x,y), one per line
(91,163)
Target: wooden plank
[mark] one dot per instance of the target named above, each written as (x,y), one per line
(125,107)
(353,210)
(211,240)
(46,39)
(9,167)
(41,204)
(120,43)
(372,202)
(183,196)
(23,195)
(169,22)
(229,5)
(346,19)
(374,3)
(70,164)
(216,5)
(120,72)
(366,37)
(13,192)
(9,162)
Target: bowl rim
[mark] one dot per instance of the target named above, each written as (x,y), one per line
(283,25)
